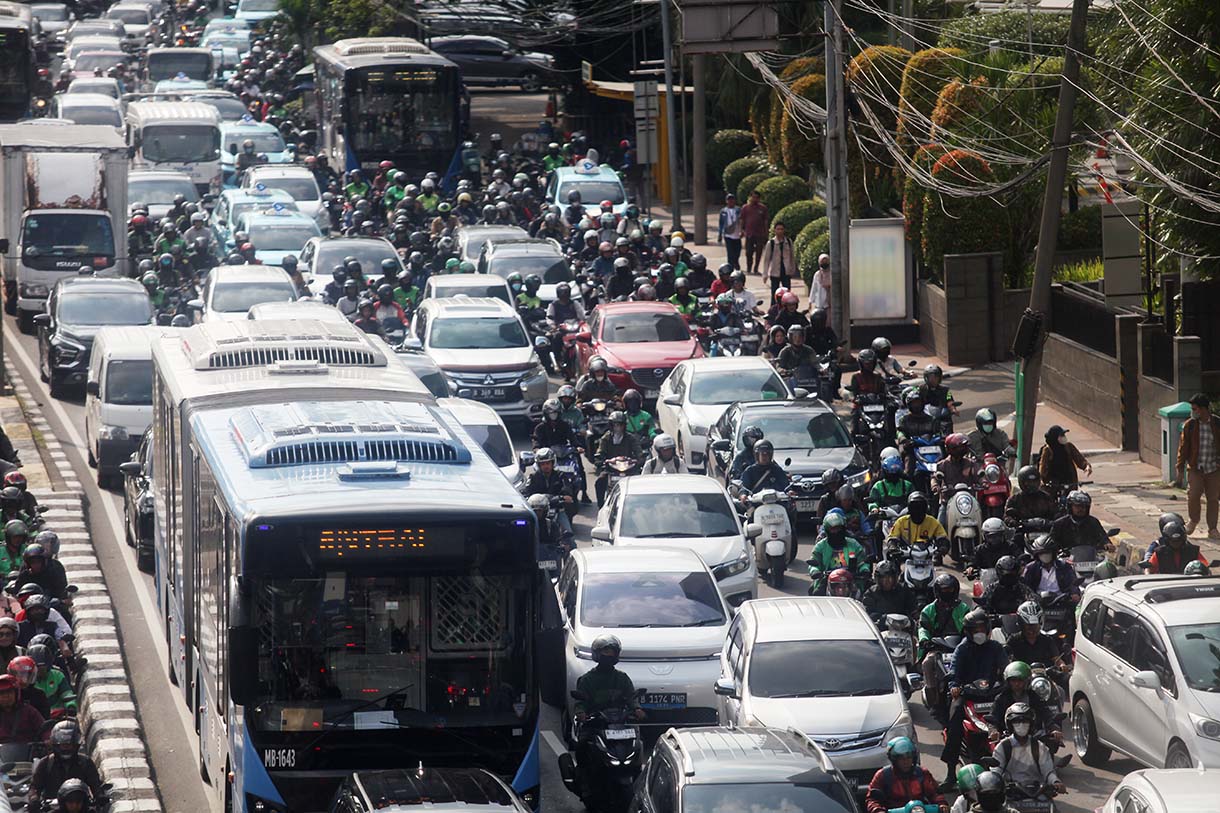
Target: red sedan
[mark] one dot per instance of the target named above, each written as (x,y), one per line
(640,341)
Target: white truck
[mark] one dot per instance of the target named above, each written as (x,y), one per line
(63,206)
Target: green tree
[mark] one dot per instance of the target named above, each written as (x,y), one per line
(926,72)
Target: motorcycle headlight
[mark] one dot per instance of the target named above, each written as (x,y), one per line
(726,569)
(108,432)
(1206,727)
(992,473)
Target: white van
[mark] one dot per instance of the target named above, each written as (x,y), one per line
(179,136)
(118,395)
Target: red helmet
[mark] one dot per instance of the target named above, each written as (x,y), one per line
(789,298)
(386,165)
(139,220)
(606,205)
(957,442)
(16,478)
(310,161)
(23,668)
(246,247)
(839,582)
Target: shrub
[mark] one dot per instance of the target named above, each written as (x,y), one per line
(958,105)
(877,71)
(811,230)
(913,192)
(802,66)
(798,215)
(802,150)
(775,129)
(953,225)
(776,193)
(739,169)
(974,32)
(1080,230)
(818,243)
(760,117)
(925,74)
(750,183)
(724,147)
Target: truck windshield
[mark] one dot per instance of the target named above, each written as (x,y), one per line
(181,143)
(68,235)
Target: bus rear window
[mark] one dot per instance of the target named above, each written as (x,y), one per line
(167,65)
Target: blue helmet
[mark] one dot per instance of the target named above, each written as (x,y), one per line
(891,465)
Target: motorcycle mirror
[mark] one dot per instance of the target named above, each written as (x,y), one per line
(912,363)
(1113,532)
(787,462)
(525,459)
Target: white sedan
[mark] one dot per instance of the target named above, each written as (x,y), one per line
(1164,791)
(697,392)
(297,181)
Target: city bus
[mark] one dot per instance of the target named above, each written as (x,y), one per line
(310,633)
(388,98)
(16,68)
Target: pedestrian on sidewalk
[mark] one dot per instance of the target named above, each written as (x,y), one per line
(729,231)
(754,230)
(1199,450)
(1058,461)
(779,259)
(819,290)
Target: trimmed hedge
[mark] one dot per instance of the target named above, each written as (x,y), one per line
(798,215)
(877,71)
(961,225)
(775,129)
(972,33)
(739,169)
(750,183)
(802,66)
(925,74)
(959,104)
(778,192)
(724,147)
(802,151)
(809,236)
(913,192)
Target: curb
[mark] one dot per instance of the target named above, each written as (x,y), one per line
(107,713)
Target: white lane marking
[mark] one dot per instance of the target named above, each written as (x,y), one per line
(554,742)
(142,591)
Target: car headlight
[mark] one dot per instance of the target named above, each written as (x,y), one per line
(859,479)
(33,289)
(1206,727)
(698,429)
(724,570)
(108,432)
(612,370)
(902,727)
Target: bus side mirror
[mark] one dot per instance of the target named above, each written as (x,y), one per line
(243,648)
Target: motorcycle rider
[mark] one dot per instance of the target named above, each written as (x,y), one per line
(745,458)
(867,381)
(620,282)
(745,301)
(19,722)
(765,472)
(1079,528)
(604,686)
(916,423)
(1017,676)
(857,521)
(8,639)
(725,316)
(407,293)
(917,525)
(333,291)
(936,394)
(888,594)
(797,358)
(991,794)
(639,422)
(944,615)
(776,341)
(25,671)
(686,304)
(366,318)
(1031,500)
(596,383)
(957,468)
(836,549)
(1048,574)
(51,680)
(16,535)
(902,781)
(562,310)
(997,543)
(156,294)
(893,488)
(349,303)
(386,307)
(1004,595)
(529,298)
(552,430)
(544,479)
(1176,553)
(788,314)
(977,657)
(886,363)
(1020,758)
(64,762)
(665,459)
(618,442)
(967,786)
(698,275)
(139,238)
(38,567)
(574,212)
(987,437)
(1031,646)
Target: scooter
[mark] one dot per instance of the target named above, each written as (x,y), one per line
(1058,619)
(597,423)
(918,571)
(619,468)
(610,754)
(994,488)
(976,731)
(1085,559)
(874,420)
(774,547)
(963,520)
(726,341)
(942,648)
(1031,797)
(900,643)
(751,336)
(928,451)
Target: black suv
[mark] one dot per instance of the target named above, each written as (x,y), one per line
(138,502)
(76,309)
(493,61)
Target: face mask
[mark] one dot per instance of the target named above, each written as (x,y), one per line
(979,638)
(988,428)
(1063,440)
(1046,558)
(1020,729)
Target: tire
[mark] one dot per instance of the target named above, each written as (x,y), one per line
(25,322)
(1084,736)
(10,299)
(169,665)
(131,540)
(1178,756)
(776,572)
(144,561)
(54,386)
(531,82)
(103,480)
(90,458)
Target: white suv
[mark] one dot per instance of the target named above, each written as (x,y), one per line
(1146,679)
(816,664)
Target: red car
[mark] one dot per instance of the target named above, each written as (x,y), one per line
(640,341)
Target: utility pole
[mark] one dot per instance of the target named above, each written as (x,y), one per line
(908,33)
(698,63)
(1052,202)
(837,210)
(671,127)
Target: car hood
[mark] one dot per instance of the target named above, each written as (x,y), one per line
(648,354)
(810,462)
(826,716)
(664,643)
(1209,701)
(513,358)
(713,550)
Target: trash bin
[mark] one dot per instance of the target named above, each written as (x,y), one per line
(1172,419)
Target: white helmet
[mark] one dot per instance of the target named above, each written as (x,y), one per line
(663,441)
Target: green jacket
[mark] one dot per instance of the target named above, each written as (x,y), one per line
(929,628)
(574,417)
(58,689)
(9,561)
(525,300)
(885,494)
(406,299)
(552,162)
(163,246)
(641,424)
(825,558)
(603,689)
(689,309)
(357,190)
(429,202)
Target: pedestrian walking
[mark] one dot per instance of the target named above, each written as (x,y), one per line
(729,231)
(779,259)
(1199,450)
(819,293)
(754,231)
(1059,459)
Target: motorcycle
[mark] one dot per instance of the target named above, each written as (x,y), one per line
(994,487)
(1058,618)
(597,423)
(874,421)
(918,571)
(900,643)
(927,452)
(569,364)
(611,752)
(751,336)
(726,341)
(964,518)
(775,547)
(979,698)
(619,468)
(551,557)
(817,576)
(942,664)
(1031,797)
(1085,559)
(395,331)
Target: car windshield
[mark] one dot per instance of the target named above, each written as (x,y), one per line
(826,668)
(474,247)
(593,192)
(228,108)
(552,269)
(263,142)
(824,797)
(97,61)
(129,382)
(494,441)
(92,115)
(68,235)
(110,89)
(369,253)
(241,207)
(718,387)
(650,600)
(96,308)
(477,333)
(674,516)
(129,16)
(631,328)
(180,143)
(54,14)
(1198,650)
(299,188)
(281,237)
(259,5)
(154,191)
(239,297)
(496,290)
(800,429)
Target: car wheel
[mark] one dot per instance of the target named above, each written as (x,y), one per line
(54,385)
(1178,757)
(144,559)
(91,458)
(25,322)
(531,83)
(10,298)
(1084,736)
(131,540)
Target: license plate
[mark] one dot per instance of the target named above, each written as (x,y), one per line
(620,734)
(652,393)
(982,708)
(874,410)
(666,700)
(570,468)
(547,564)
(806,506)
(929,450)
(494,393)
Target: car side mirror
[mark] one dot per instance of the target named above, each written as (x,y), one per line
(412,343)
(753,530)
(584,336)
(92,388)
(722,445)
(800,393)
(195,304)
(42,319)
(132,468)
(1146,679)
(913,681)
(725,687)
(525,459)
(601,533)
(673,400)
(1113,532)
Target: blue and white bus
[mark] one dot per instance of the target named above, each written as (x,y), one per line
(348,581)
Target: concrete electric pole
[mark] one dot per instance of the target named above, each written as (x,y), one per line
(837,210)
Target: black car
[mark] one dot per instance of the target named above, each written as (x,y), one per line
(77,309)
(468,789)
(138,502)
(321,254)
(492,61)
(808,438)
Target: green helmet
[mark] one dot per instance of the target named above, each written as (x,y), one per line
(1106,570)
(466,267)
(1017,670)
(443,208)
(968,777)
(15,527)
(149,280)
(901,747)
(833,520)
(514,277)
(451,264)
(724,299)
(1196,568)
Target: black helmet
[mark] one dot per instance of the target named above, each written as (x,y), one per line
(1007,569)
(1168,517)
(385,292)
(34,551)
(751,435)
(724,270)
(532,283)
(65,738)
(389,266)
(867,359)
(1028,478)
(603,642)
(1173,532)
(885,568)
(818,318)
(72,789)
(916,497)
(1081,498)
(618,416)
(1041,544)
(289,263)
(764,446)
(832,478)
(991,793)
(946,587)
(698,261)
(975,618)
(882,347)
(38,601)
(633,400)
